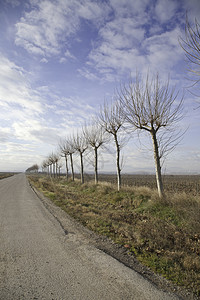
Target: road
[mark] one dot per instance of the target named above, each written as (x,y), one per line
(39,260)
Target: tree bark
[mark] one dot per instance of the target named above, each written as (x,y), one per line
(157,164)
(72,166)
(54,174)
(118,164)
(50,170)
(96,165)
(56,170)
(82,177)
(67,169)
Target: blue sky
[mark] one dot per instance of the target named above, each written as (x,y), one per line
(60,59)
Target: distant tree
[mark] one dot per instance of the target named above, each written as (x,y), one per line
(56,162)
(52,164)
(49,163)
(44,166)
(60,165)
(53,161)
(65,152)
(153,108)
(80,145)
(71,151)
(33,168)
(95,138)
(112,120)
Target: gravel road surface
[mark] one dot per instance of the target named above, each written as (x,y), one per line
(41,260)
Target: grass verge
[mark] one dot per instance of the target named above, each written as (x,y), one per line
(6,175)
(163,234)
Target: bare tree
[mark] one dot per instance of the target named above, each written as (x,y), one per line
(33,168)
(112,119)
(53,160)
(50,164)
(155,109)
(71,151)
(65,149)
(191,46)
(60,165)
(80,145)
(44,166)
(95,137)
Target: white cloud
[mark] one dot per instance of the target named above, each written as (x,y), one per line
(166,9)
(78,113)
(67,55)
(128,43)
(62,60)
(14,3)
(87,74)
(5,134)
(93,11)
(42,29)
(122,33)
(163,50)
(15,88)
(48,24)
(108,59)
(44,60)
(127,8)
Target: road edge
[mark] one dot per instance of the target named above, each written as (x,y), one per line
(118,252)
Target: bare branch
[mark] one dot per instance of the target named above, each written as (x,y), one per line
(191,45)
(154,108)
(95,137)
(112,121)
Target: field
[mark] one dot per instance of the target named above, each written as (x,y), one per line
(6,174)
(189,184)
(164,234)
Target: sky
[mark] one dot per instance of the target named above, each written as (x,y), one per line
(61,59)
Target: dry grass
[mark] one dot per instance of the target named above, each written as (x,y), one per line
(6,174)
(164,235)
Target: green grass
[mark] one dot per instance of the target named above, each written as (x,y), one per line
(163,234)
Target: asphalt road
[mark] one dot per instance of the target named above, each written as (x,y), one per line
(39,260)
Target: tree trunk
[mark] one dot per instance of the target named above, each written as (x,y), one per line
(118,164)
(67,169)
(54,170)
(82,177)
(157,165)
(95,165)
(72,166)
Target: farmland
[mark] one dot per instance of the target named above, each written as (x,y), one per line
(189,184)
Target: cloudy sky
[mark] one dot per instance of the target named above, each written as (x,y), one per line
(60,59)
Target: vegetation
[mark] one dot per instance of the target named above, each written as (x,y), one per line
(144,105)
(112,120)
(151,107)
(164,235)
(33,168)
(6,174)
(191,46)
